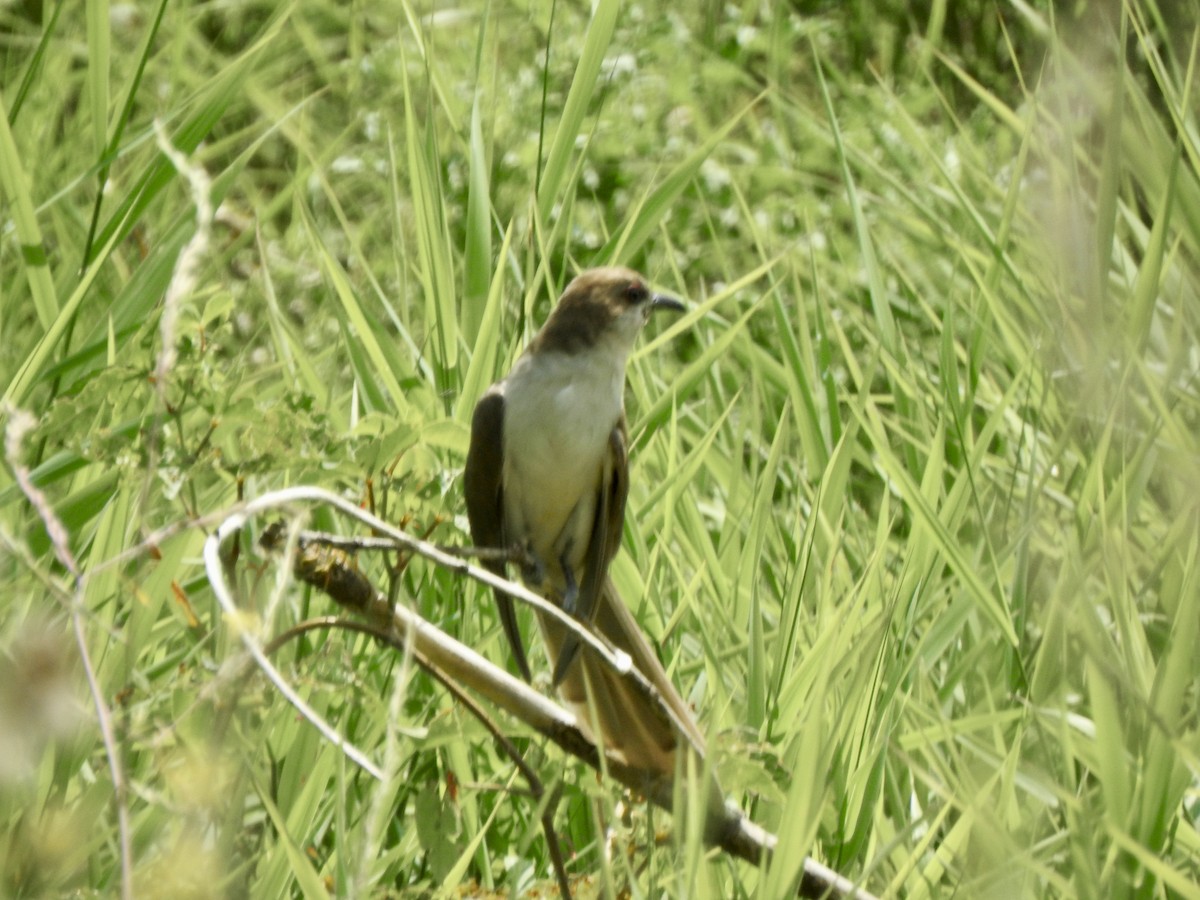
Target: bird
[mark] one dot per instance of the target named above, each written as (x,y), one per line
(547,475)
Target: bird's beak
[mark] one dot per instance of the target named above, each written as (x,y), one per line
(662,301)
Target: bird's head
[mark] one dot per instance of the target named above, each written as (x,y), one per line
(602,306)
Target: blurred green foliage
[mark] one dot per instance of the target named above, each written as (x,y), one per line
(913,514)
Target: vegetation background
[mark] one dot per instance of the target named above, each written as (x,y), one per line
(914,505)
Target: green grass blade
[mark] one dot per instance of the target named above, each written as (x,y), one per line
(14,182)
(570,123)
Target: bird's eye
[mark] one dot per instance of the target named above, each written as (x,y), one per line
(635,292)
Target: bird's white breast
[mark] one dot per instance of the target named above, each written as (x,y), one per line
(559,411)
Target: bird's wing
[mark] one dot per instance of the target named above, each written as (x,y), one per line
(484,487)
(607,526)
(618,492)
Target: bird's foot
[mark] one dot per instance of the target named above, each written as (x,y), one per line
(570,594)
(533,570)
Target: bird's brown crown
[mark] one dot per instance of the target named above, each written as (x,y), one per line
(589,306)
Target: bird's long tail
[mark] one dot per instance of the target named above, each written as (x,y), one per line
(631,725)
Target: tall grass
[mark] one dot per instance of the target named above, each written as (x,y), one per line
(913,512)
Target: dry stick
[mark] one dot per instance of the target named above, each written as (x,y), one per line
(536,787)
(732,831)
(243,625)
(349,544)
